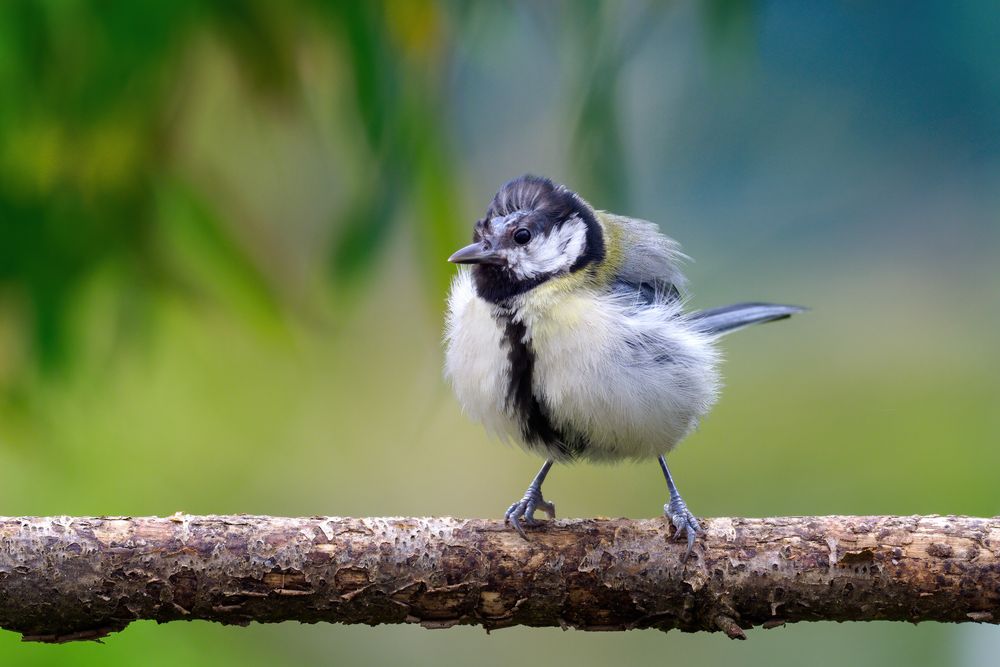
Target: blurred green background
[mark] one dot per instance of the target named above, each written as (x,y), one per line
(223,232)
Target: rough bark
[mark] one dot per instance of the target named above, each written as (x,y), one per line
(65,578)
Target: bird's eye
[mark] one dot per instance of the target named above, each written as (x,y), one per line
(522,236)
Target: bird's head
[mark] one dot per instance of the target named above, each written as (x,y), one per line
(533,231)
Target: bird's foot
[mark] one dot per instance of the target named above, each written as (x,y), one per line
(522,513)
(684,522)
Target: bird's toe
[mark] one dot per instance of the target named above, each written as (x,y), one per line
(685,524)
(522,513)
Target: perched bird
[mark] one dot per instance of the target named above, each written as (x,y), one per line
(568,335)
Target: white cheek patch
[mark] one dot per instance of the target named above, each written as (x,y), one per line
(550,254)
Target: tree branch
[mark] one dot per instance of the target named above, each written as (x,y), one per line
(65,578)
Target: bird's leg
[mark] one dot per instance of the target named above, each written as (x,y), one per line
(678,513)
(523,511)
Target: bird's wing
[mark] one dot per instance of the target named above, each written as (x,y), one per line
(646,293)
(722,320)
(646,264)
(643,257)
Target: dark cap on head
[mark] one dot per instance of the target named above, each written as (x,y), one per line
(535,193)
(533,230)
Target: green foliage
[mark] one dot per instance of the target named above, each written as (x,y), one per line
(89,176)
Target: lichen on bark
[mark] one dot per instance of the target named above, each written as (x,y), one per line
(68,578)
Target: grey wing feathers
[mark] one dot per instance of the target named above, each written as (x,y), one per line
(647,293)
(725,319)
(648,257)
(650,271)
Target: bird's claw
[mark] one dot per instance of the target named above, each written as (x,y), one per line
(684,523)
(522,513)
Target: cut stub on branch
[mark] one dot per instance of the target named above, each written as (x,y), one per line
(73,578)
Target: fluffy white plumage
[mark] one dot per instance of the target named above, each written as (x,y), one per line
(631,377)
(476,361)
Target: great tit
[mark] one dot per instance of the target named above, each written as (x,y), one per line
(568,335)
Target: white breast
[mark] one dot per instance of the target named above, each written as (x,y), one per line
(476,360)
(633,377)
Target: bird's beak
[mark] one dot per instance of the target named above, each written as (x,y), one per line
(476,253)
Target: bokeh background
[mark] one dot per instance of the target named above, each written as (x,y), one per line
(223,232)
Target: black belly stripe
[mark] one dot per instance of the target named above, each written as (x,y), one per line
(536,427)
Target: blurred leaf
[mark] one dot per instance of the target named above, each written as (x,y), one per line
(373,64)
(204,259)
(605,42)
(598,147)
(364,231)
(260,34)
(730,31)
(396,52)
(440,227)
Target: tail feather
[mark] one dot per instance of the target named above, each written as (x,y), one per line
(723,320)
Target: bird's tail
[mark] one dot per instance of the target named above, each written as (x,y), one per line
(722,320)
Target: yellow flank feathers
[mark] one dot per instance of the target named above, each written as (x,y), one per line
(613,249)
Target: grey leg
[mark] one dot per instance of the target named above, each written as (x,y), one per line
(523,511)
(678,513)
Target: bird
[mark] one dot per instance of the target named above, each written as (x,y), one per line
(567,333)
